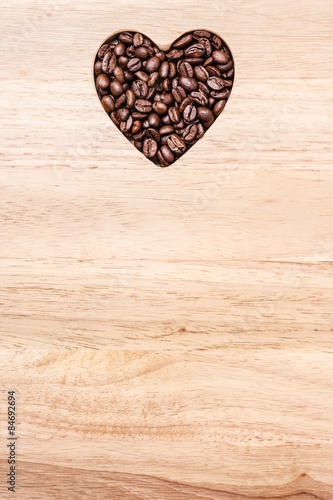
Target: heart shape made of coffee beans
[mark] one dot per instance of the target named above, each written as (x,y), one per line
(164,101)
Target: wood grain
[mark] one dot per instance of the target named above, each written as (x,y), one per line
(168,331)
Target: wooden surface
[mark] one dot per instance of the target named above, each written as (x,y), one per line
(168,331)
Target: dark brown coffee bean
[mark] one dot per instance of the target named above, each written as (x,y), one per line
(219,107)
(176,144)
(123,114)
(216,42)
(225,67)
(149,148)
(228,75)
(201,131)
(208,47)
(161,160)
(185,69)
(166,85)
(179,94)
(136,127)
(185,103)
(151,94)
(160,55)
(184,42)
(172,70)
(138,145)
(190,113)
(166,130)
(220,95)
(215,83)
(102,92)
(126,38)
(153,133)
(142,76)
(152,80)
(167,154)
(201,34)
(108,103)
(129,76)
(134,64)
(208,62)
(103,81)
(194,61)
(196,50)
(143,106)
(126,126)
(137,39)
(153,64)
(174,114)
(121,101)
(179,125)
(201,73)
(109,63)
(154,120)
(166,120)
(175,82)
(98,68)
(116,88)
(130,51)
(208,123)
(130,98)
(145,124)
(189,84)
(164,69)
(114,118)
(160,108)
(141,53)
(167,98)
(120,49)
(122,62)
(220,57)
(175,54)
(190,132)
(102,51)
(211,102)
(200,98)
(119,74)
(213,71)
(204,114)
(140,136)
(203,88)
(227,83)
(140,88)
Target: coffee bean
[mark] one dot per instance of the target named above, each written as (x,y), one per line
(116,88)
(176,144)
(149,147)
(220,57)
(143,106)
(108,103)
(215,83)
(190,132)
(184,42)
(204,114)
(134,64)
(167,154)
(153,64)
(140,88)
(164,102)
(189,84)
(103,81)
(190,113)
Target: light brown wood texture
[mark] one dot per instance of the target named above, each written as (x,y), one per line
(168,331)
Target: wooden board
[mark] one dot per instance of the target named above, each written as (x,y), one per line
(168,331)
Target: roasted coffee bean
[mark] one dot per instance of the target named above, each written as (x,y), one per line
(143,106)
(196,50)
(167,154)
(126,38)
(160,108)
(184,42)
(176,144)
(121,101)
(108,103)
(174,114)
(164,102)
(123,114)
(140,88)
(116,88)
(149,147)
(201,73)
(119,74)
(134,64)
(215,83)
(190,132)
(219,107)
(154,120)
(190,113)
(220,57)
(153,64)
(204,114)
(103,81)
(200,98)
(189,84)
